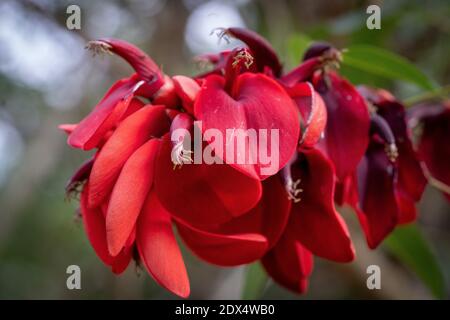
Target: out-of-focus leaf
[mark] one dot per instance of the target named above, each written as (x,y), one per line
(297,45)
(255,282)
(385,63)
(409,246)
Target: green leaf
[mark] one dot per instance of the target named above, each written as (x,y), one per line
(255,282)
(297,45)
(385,63)
(410,247)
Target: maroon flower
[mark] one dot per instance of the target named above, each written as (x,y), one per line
(433,122)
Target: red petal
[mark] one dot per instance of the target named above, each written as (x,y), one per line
(124,206)
(268,218)
(187,89)
(246,238)
(94,224)
(150,121)
(347,130)
(67,127)
(258,102)
(203,194)
(223,249)
(263,52)
(301,73)
(166,95)
(289,263)
(158,248)
(317,224)
(134,106)
(313,111)
(91,129)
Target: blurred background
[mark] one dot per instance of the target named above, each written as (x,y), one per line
(48,78)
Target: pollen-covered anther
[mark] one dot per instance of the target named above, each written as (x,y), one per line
(244,56)
(331,58)
(73,190)
(181,156)
(391,151)
(99,47)
(293,190)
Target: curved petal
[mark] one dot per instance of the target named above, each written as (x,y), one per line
(105,115)
(148,122)
(348,124)
(246,238)
(187,89)
(202,194)
(289,263)
(124,206)
(268,218)
(94,224)
(158,248)
(317,224)
(258,105)
(313,111)
(145,67)
(223,249)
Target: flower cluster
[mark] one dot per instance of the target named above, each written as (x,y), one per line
(337,145)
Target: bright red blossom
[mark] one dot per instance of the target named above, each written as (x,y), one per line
(335,144)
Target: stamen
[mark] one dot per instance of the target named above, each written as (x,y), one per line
(293,190)
(180,156)
(99,47)
(243,55)
(222,33)
(391,151)
(380,126)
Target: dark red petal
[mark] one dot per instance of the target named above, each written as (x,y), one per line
(80,175)
(378,210)
(317,224)
(434,148)
(317,49)
(149,121)
(289,263)
(128,195)
(203,194)
(263,52)
(158,248)
(223,249)
(313,111)
(257,102)
(187,89)
(91,129)
(347,130)
(145,67)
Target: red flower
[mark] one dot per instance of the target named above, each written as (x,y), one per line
(333,145)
